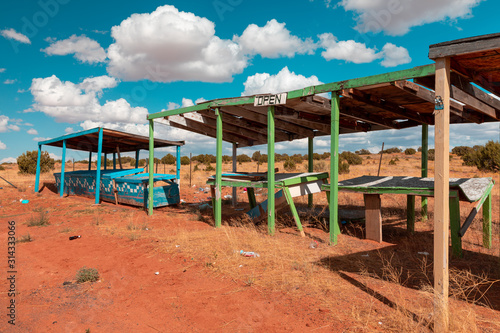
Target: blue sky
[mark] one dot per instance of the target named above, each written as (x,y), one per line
(70,65)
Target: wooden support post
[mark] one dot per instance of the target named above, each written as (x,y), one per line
(178,165)
(425,154)
(410,213)
(63,164)
(119,158)
(456,240)
(271,209)
(373,217)
(251,197)
(106,160)
(151,166)
(37,180)
(137,158)
(334,168)
(441,199)
(289,199)
(487,222)
(98,169)
(218,172)
(310,167)
(114,161)
(90,160)
(235,193)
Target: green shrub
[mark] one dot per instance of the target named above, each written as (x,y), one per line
(289,165)
(209,167)
(351,158)
(410,151)
(363,152)
(343,167)
(462,150)
(485,158)
(392,150)
(393,161)
(168,159)
(319,166)
(431,154)
(27,162)
(87,275)
(39,220)
(184,160)
(243,158)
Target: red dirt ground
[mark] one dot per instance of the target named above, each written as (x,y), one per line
(183,297)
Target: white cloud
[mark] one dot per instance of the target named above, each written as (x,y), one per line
(8,81)
(54,156)
(283,81)
(394,55)
(70,102)
(2,146)
(172,106)
(272,41)
(83,48)
(69,130)
(40,138)
(13,34)
(32,131)
(348,50)
(8,160)
(21,91)
(168,45)
(2,70)
(28,124)
(5,124)
(397,17)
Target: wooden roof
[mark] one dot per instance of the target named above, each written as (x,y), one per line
(126,142)
(380,102)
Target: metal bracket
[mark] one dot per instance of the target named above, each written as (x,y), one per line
(438,103)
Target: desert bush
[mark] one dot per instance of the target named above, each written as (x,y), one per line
(196,168)
(243,158)
(343,167)
(24,239)
(393,161)
(2,168)
(27,162)
(263,158)
(142,162)
(39,220)
(410,151)
(289,165)
(431,154)
(184,160)
(209,167)
(319,166)
(256,156)
(226,158)
(363,152)
(297,158)
(351,158)
(485,158)
(392,150)
(461,150)
(168,159)
(87,275)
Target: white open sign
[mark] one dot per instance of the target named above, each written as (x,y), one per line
(274,99)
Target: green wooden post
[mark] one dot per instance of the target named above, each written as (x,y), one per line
(39,156)
(218,172)
(137,158)
(251,197)
(63,164)
(487,222)
(334,168)
(310,168)
(289,199)
(98,169)
(90,160)
(456,240)
(151,166)
(271,209)
(425,152)
(410,213)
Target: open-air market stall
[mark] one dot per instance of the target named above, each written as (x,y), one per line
(127,186)
(456,89)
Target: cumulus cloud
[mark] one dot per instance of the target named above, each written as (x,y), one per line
(6,125)
(9,81)
(83,48)
(2,70)
(272,41)
(283,81)
(70,102)
(168,45)
(32,131)
(13,34)
(397,17)
(8,160)
(68,130)
(2,146)
(40,138)
(359,53)
(394,55)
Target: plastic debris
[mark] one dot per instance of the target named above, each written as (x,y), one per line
(183,201)
(228,196)
(204,206)
(177,245)
(75,237)
(157,273)
(249,254)
(25,201)
(238,209)
(365,255)
(424,253)
(314,244)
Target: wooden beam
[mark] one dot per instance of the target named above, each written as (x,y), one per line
(464,46)
(367,117)
(473,103)
(441,199)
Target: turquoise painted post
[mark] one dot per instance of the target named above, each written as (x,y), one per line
(98,169)
(218,172)
(90,160)
(271,209)
(151,166)
(334,168)
(63,164)
(425,154)
(137,158)
(178,164)
(37,180)
(310,167)
(105,161)
(114,161)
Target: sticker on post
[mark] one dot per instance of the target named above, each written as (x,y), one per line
(272,99)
